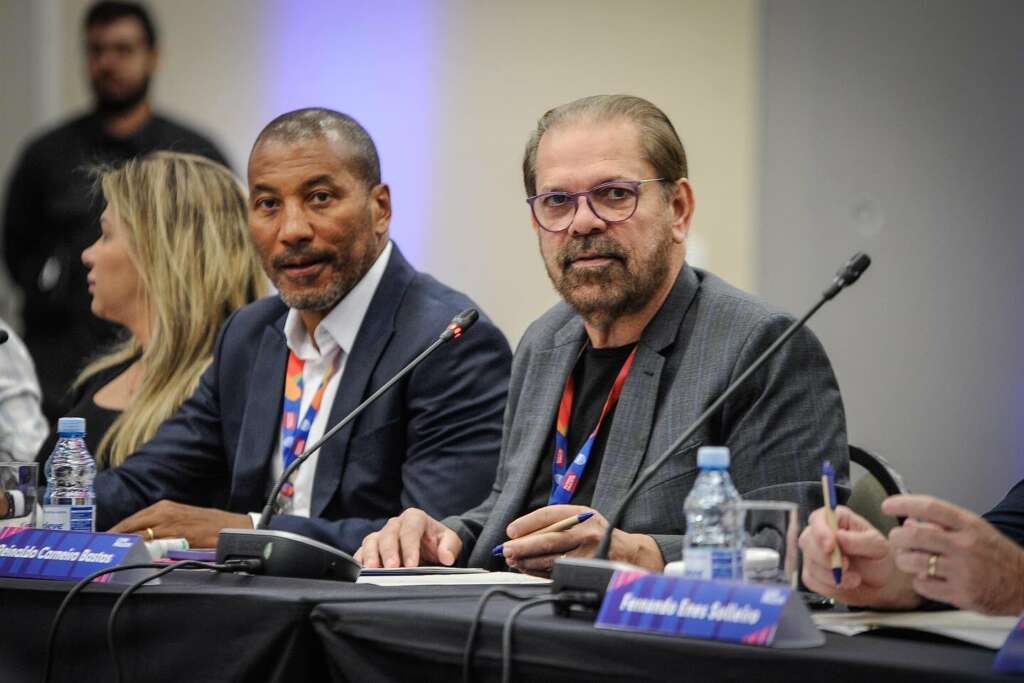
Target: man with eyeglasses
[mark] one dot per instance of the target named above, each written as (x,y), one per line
(642,344)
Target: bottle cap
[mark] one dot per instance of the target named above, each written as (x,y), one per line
(71,425)
(713,457)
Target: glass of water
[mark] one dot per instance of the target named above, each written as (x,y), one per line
(771,554)
(18,482)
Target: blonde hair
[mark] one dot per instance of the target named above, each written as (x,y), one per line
(185,219)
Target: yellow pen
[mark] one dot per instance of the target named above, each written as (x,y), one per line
(564,525)
(828,492)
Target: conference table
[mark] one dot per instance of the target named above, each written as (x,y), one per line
(200,626)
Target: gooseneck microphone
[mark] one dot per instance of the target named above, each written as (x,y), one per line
(592,574)
(459,324)
(845,276)
(287,554)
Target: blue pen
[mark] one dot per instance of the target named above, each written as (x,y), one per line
(828,491)
(564,525)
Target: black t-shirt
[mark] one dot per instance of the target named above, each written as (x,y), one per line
(594,375)
(98,419)
(51,215)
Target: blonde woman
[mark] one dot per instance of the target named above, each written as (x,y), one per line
(172,262)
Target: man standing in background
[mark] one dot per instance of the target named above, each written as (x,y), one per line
(51,213)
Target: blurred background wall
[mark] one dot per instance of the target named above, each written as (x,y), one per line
(895,128)
(814,128)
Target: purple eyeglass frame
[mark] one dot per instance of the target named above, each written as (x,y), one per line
(574,196)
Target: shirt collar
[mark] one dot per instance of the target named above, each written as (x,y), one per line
(339,329)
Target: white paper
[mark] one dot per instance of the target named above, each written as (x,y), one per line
(418,571)
(970,627)
(480,577)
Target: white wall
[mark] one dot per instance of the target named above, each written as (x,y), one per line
(505,64)
(894,128)
(491,69)
(30,93)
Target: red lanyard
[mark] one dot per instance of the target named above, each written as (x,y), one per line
(566,475)
(295,433)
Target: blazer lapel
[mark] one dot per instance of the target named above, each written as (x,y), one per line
(374,333)
(262,417)
(630,429)
(635,414)
(535,416)
(547,375)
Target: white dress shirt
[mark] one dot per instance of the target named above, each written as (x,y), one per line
(334,337)
(23,428)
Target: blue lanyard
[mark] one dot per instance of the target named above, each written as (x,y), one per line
(565,475)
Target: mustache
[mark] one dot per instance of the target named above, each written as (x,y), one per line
(300,256)
(600,246)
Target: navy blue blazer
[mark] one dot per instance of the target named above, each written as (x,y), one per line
(431,441)
(1008,514)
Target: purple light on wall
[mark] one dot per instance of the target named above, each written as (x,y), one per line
(375,62)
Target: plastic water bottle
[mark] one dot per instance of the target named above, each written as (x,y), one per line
(714,523)
(69,503)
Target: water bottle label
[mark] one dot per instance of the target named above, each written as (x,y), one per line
(714,563)
(83,517)
(57,517)
(69,517)
(727,563)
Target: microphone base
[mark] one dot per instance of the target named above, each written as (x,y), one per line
(585,575)
(283,553)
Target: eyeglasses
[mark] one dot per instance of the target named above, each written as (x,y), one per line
(612,202)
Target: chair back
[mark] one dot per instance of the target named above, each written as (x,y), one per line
(878,482)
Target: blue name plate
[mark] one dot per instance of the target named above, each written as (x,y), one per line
(1010,658)
(66,555)
(712,610)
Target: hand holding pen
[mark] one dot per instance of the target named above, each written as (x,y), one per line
(562,525)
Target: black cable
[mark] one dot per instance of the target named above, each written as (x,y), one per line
(188,564)
(474,627)
(112,619)
(506,631)
(75,590)
(586,598)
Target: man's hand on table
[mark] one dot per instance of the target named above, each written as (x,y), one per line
(168,519)
(409,540)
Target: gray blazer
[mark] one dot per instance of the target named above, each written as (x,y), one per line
(780,426)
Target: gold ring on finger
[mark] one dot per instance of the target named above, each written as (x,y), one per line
(933,563)
(149,532)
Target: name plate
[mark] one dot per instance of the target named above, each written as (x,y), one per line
(1010,658)
(67,555)
(752,614)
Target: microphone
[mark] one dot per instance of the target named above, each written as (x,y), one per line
(847,274)
(286,554)
(592,574)
(4,336)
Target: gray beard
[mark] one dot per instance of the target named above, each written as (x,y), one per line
(622,292)
(315,301)
(329,297)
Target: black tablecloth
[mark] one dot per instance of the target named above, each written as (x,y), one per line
(200,626)
(395,639)
(195,626)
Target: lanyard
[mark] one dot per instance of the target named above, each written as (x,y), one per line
(294,432)
(566,475)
